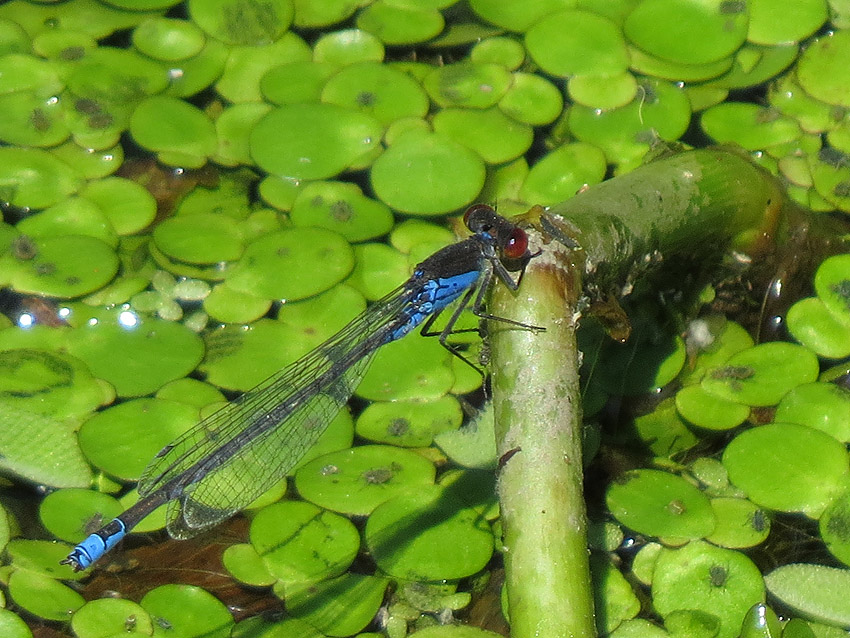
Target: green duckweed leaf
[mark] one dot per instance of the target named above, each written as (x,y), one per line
(246,65)
(823,406)
(245,564)
(12,626)
(720,582)
(45,396)
(312,141)
(499,50)
(122,440)
(296,82)
(613,595)
(644,63)
(194,74)
(300,543)
(473,445)
(740,523)
(466,84)
(64,267)
(625,134)
(202,238)
(243,23)
(114,80)
(753,65)
(24,72)
(834,525)
(168,39)
(514,16)
(60,512)
(409,423)
(762,375)
(532,99)
(562,172)
(382,91)
(179,133)
(356,481)
(231,306)
(428,534)
(573,42)
(129,206)
(111,616)
(716,339)
(32,120)
(708,410)
(663,431)
(832,285)
(821,70)
(233,128)
(154,352)
(788,22)
(750,125)
(72,216)
(686,32)
(410,233)
(661,504)
(90,163)
(33,178)
(348,46)
(342,208)
(814,591)
(188,610)
(787,467)
(603,91)
(13,38)
(77,16)
(281,265)
(322,13)
(392,377)
(341,606)
(43,596)
(404,177)
(402,23)
(489,132)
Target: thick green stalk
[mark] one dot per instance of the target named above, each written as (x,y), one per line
(679,215)
(538,431)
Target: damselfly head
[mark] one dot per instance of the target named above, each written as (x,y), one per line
(484,220)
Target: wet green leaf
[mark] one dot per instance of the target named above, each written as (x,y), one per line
(122,440)
(719,582)
(661,504)
(300,544)
(787,467)
(43,596)
(188,609)
(113,615)
(312,141)
(245,23)
(357,480)
(428,534)
(816,591)
(405,176)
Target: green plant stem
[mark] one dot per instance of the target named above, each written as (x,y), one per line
(538,433)
(678,213)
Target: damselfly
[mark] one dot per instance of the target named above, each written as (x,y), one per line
(230,458)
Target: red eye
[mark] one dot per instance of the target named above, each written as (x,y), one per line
(475,210)
(517,244)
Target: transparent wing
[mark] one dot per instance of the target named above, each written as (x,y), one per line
(256,466)
(230,458)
